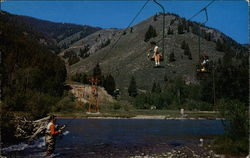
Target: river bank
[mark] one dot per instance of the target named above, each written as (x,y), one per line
(144,114)
(124,138)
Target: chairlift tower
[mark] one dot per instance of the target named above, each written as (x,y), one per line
(93,101)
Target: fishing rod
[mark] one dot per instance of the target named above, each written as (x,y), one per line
(68,122)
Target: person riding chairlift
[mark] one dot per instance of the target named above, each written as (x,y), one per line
(156,56)
(204,63)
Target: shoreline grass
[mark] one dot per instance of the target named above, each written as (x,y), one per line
(142,114)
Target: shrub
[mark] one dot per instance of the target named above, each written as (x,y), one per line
(140,100)
(73,59)
(226,145)
(236,114)
(116,106)
(39,104)
(171,57)
(199,105)
(235,140)
(106,43)
(67,103)
(132,89)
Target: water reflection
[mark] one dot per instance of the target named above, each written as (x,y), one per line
(90,138)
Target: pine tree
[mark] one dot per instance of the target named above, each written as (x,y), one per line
(171,57)
(153,88)
(187,50)
(183,45)
(165,78)
(110,84)
(131,30)
(151,33)
(219,45)
(190,56)
(132,89)
(180,29)
(97,72)
(64,46)
(84,51)
(195,29)
(219,62)
(187,26)
(155,17)
(170,31)
(208,36)
(172,21)
(158,88)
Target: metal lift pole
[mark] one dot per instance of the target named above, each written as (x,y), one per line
(163,28)
(204,9)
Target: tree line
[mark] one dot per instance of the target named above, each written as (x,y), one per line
(32,77)
(108,81)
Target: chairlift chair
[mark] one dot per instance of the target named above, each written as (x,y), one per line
(153,59)
(204,68)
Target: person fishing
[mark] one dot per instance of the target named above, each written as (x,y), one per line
(50,135)
(156,56)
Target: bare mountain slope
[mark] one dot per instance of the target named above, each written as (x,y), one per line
(128,57)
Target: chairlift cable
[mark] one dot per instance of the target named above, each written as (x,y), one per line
(132,21)
(163,34)
(201,10)
(139,12)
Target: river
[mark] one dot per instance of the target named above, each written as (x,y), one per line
(121,137)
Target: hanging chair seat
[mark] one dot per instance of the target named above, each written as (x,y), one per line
(203,70)
(161,58)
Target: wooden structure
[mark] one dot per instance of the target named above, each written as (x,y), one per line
(30,130)
(93,100)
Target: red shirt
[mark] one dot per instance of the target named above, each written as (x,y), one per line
(53,129)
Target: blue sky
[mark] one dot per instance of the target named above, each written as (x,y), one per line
(230,17)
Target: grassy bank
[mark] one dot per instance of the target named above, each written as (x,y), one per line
(167,114)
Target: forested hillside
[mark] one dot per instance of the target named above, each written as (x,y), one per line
(32,76)
(49,33)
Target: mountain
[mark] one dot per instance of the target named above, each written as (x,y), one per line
(32,75)
(50,33)
(123,53)
(129,56)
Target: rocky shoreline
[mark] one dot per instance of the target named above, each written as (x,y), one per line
(164,150)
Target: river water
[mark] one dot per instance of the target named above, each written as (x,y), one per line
(121,137)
